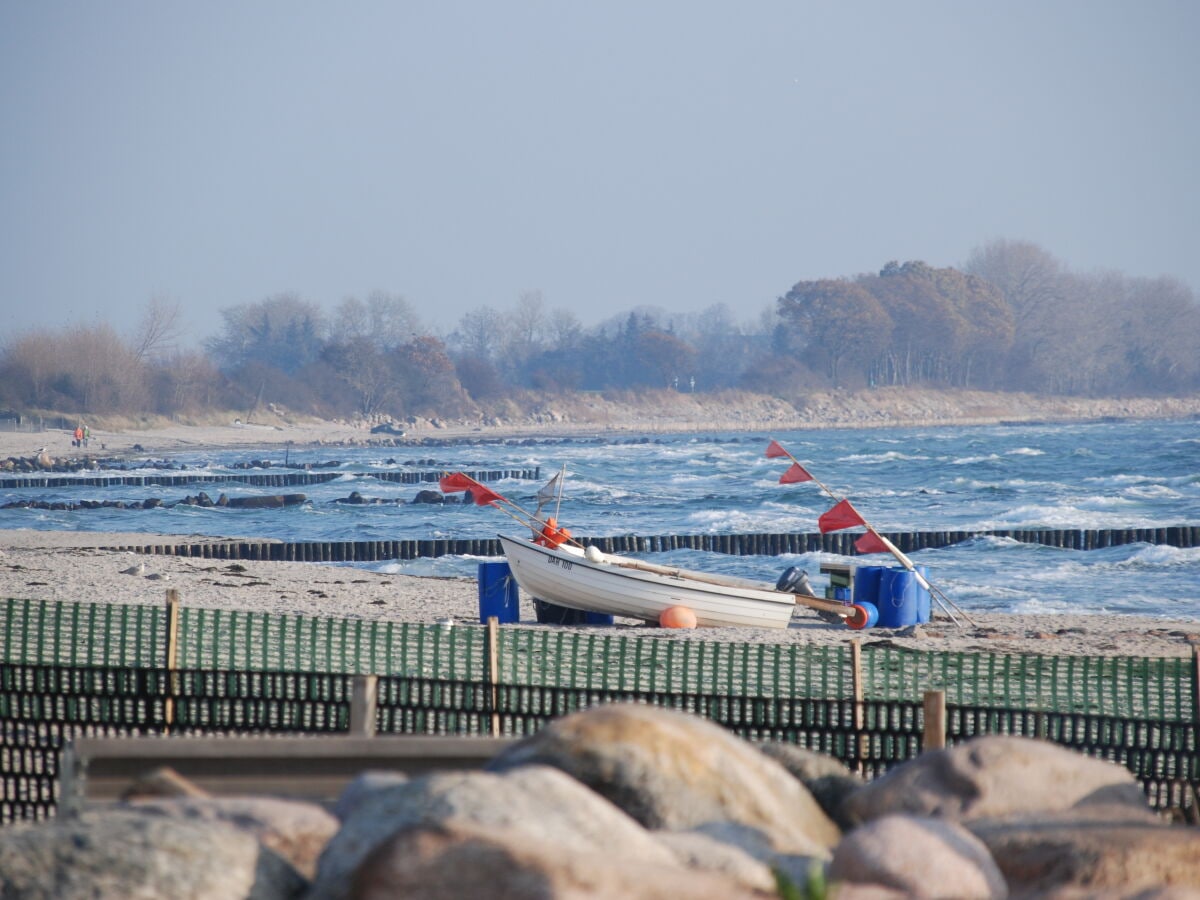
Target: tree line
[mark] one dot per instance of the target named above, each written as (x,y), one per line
(1012,318)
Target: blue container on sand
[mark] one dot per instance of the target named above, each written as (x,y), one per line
(902,601)
(498,593)
(866,583)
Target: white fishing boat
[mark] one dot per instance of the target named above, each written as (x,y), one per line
(592,581)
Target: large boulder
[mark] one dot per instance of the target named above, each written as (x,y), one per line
(362,786)
(674,771)
(703,852)
(829,780)
(1094,851)
(123,854)
(994,776)
(536,804)
(297,830)
(920,857)
(453,860)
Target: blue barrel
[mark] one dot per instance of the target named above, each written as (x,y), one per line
(866,583)
(902,601)
(595,618)
(498,593)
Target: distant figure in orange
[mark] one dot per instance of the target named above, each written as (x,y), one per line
(552,535)
(78,442)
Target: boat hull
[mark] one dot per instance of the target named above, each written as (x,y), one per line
(614,586)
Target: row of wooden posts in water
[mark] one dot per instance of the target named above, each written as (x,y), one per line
(257,479)
(733,544)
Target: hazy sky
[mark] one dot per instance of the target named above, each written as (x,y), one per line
(609,155)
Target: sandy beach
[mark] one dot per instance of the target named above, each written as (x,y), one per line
(69,566)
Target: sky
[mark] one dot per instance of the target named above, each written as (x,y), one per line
(607,155)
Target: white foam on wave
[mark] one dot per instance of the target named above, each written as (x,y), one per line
(972,460)
(1066,516)
(1151,492)
(888,456)
(1155,556)
(1025,451)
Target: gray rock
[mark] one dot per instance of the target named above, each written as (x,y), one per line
(920,857)
(994,776)
(673,771)
(536,804)
(123,854)
(298,831)
(363,786)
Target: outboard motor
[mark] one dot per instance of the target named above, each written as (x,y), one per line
(794,580)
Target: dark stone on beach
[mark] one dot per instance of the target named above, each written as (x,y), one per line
(271,501)
(428,496)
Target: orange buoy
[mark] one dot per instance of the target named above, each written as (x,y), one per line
(677,617)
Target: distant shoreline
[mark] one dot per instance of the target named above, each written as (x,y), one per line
(593,416)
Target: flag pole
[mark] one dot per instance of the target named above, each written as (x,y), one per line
(529,517)
(945,602)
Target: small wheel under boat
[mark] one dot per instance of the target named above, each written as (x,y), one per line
(862,615)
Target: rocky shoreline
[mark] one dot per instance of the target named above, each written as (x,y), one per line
(626,800)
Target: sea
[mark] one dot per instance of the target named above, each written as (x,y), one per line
(1117,474)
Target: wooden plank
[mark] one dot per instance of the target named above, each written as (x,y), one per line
(313,768)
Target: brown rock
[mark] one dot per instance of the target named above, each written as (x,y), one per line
(829,780)
(451,861)
(1069,855)
(536,804)
(920,857)
(674,771)
(994,776)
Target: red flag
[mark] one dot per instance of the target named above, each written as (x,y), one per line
(795,474)
(484,496)
(775,450)
(871,543)
(843,515)
(456,481)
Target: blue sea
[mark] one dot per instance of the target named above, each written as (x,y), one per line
(1074,476)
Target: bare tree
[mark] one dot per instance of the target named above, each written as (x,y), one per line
(160,327)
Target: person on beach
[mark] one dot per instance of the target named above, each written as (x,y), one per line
(78,442)
(87,434)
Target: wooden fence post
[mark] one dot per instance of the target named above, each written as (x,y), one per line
(172,658)
(364,697)
(493,652)
(935,720)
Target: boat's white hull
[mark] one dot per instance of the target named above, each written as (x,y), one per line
(614,586)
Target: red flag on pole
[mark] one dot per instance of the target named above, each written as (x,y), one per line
(775,450)
(843,515)
(871,543)
(456,481)
(795,474)
(484,496)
